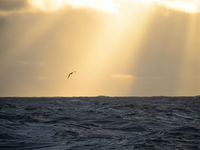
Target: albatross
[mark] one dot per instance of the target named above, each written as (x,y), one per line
(70,74)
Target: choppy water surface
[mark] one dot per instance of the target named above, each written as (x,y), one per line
(100,123)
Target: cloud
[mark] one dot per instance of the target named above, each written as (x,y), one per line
(13,6)
(108,6)
(51,5)
(189,6)
(10,5)
(24,6)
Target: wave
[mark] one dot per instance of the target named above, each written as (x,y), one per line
(100,123)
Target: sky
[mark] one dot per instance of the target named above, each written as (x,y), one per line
(116,47)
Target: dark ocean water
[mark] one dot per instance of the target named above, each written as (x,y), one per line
(100,123)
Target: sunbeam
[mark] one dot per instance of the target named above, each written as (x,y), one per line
(138,46)
(117,38)
(189,78)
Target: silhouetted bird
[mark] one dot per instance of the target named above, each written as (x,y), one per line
(70,74)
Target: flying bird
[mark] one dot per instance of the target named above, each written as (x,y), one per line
(70,74)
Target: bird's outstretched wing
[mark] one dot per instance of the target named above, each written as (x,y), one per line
(70,74)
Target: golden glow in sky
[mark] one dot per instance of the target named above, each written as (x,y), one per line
(112,6)
(102,5)
(47,4)
(190,6)
(117,47)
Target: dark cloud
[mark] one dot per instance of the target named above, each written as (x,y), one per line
(10,5)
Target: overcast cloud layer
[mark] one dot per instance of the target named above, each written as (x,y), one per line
(19,5)
(38,49)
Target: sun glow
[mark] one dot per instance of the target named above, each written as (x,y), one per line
(102,5)
(112,6)
(47,5)
(112,54)
(189,6)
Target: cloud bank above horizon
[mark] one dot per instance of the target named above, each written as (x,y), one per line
(108,6)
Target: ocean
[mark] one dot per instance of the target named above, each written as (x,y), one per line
(100,123)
